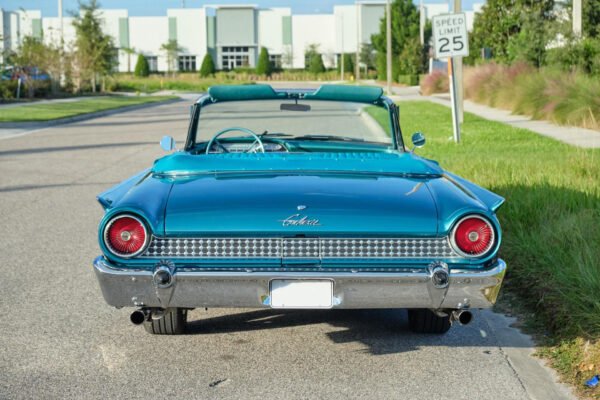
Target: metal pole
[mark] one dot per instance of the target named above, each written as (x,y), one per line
(388,31)
(422,22)
(458,73)
(60,20)
(577,17)
(453,99)
(342,57)
(357,55)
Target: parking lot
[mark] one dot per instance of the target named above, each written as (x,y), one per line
(60,339)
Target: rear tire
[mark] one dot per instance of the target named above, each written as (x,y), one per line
(172,322)
(423,320)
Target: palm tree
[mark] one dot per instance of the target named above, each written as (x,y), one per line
(171,49)
(129,51)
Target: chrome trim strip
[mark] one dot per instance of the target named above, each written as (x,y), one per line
(298,248)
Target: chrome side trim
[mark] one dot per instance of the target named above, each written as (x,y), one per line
(316,248)
(466,288)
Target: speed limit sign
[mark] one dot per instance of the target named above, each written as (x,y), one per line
(450,35)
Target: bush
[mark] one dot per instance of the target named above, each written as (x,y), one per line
(264,66)
(316,65)
(141,67)
(436,82)
(583,55)
(408,80)
(8,89)
(208,66)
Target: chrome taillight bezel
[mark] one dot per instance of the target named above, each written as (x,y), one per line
(489,247)
(121,254)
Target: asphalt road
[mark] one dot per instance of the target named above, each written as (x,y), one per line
(60,340)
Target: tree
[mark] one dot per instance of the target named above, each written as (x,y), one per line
(405,28)
(30,58)
(316,65)
(591,18)
(94,55)
(367,55)
(264,66)
(171,49)
(310,51)
(348,63)
(522,22)
(208,66)
(129,51)
(141,67)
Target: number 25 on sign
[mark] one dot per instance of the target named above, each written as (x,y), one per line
(450,35)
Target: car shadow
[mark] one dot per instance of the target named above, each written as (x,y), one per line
(380,331)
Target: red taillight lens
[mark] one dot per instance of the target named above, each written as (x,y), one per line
(474,236)
(125,236)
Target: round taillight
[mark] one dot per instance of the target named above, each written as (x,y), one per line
(473,236)
(125,236)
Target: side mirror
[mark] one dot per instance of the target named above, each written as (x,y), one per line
(418,140)
(167,143)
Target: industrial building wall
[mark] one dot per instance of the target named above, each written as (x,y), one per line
(313,29)
(272,30)
(233,33)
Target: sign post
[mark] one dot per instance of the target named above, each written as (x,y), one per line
(450,40)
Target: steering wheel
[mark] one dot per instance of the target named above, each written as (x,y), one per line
(257,144)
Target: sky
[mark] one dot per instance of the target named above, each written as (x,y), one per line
(159,7)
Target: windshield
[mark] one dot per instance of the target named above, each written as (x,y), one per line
(325,120)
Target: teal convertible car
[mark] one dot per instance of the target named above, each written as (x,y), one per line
(298,199)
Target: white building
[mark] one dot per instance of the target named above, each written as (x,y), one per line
(232,34)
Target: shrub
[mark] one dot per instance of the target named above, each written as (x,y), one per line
(408,80)
(208,66)
(316,65)
(8,89)
(141,67)
(436,82)
(264,66)
(582,55)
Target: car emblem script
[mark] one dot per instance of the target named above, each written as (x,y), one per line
(299,220)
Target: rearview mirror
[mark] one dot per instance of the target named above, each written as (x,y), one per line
(418,140)
(294,107)
(167,143)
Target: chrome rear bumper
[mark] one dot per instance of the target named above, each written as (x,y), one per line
(191,289)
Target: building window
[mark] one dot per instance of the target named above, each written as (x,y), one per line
(275,60)
(152,63)
(235,57)
(187,63)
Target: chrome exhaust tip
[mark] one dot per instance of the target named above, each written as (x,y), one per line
(463,317)
(139,316)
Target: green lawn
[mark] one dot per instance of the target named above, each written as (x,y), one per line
(551,223)
(50,111)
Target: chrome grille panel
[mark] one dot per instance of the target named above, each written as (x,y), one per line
(321,248)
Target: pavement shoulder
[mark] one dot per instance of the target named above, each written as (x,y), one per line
(539,381)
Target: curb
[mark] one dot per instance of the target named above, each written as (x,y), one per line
(82,117)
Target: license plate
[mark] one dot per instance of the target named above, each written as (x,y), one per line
(293,293)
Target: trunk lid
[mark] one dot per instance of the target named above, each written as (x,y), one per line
(288,205)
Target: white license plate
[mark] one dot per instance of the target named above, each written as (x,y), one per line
(294,293)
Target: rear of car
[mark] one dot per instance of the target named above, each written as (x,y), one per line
(325,224)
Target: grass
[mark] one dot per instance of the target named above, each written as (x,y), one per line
(551,225)
(49,111)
